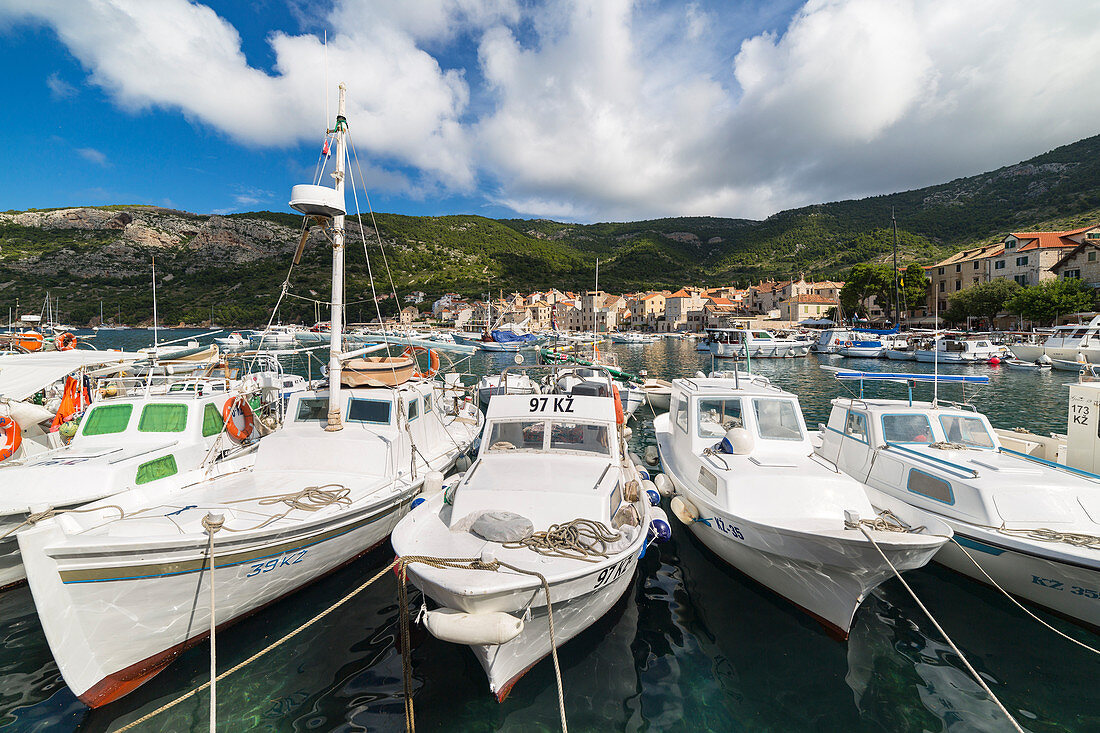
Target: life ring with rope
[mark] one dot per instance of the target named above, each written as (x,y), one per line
(847,344)
(238,407)
(11,437)
(65,342)
(433,360)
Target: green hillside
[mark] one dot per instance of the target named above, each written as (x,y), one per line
(236,264)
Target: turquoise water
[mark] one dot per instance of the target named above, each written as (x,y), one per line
(694,646)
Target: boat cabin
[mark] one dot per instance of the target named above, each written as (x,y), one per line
(551,458)
(702,411)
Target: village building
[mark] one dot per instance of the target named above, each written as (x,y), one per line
(806,307)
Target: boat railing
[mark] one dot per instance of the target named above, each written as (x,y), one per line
(1051,464)
(964,470)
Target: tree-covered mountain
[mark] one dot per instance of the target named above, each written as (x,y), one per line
(237,263)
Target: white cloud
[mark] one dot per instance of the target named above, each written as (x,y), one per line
(600,109)
(59,88)
(94,156)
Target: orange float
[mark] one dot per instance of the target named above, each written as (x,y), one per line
(65,342)
(11,437)
(29,341)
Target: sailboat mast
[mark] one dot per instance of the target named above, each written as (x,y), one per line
(336,334)
(154,308)
(896,302)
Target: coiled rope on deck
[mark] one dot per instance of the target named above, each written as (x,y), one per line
(579,539)
(885,521)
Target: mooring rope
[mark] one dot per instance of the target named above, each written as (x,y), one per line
(1022,607)
(212,523)
(262,652)
(579,539)
(885,521)
(468,563)
(943,633)
(36,517)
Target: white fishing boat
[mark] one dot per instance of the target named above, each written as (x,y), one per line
(1031,366)
(31,392)
(1029,523)
(123,587)
(862,348)
(631,337)
(735,343)
(120,444)
(547,464)
(751,489)
(657,393)
(275,335)
(1069,343)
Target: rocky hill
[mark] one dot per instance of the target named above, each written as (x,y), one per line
(237,263)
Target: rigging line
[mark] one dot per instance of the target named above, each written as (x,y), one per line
(385,260)
(370,270)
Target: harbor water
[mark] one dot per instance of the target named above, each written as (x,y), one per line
(694,645)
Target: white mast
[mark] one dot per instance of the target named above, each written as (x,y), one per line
(154,308)
(336,341)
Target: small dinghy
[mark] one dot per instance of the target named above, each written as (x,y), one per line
(750,488)
(378,371)
(553,493)
(1034,366)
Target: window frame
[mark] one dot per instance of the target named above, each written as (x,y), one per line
(882,425)
(992,444)
(87,419)
(389,411)
(152,405)
(756,418)
(866,425)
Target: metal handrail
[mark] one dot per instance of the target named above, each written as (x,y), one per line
(968,472)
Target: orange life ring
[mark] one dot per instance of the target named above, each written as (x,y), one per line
(620,416)
(232,407)
(433,360)
(29,341)
(12,437)
(847,344)
(65,342)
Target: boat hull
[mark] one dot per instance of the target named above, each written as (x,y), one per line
(1069,590)
(91,602)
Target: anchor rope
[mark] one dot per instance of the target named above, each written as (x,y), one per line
(943,633)
(579,539)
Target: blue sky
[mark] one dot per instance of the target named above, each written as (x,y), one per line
(581,109)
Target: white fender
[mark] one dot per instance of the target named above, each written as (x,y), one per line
(664,485)
(648,485)
(493,627)
(684,510)
(28,415)
(433,484)
(651,456)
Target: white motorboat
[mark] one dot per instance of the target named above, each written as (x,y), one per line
(959,351)
(1024,520)
(506,383)
(120,444)
(545,463)
(589,380)
(862,349)
(1068,343)
(657,394)
(1031,366)
(275,335)
(631,337)
(751,489)
(735,343)
(830,340)
(233,341)
(123,587)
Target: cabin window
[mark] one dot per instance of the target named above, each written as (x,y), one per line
(911,428)
(761,335)
(107,420)
(682,414)
(211,421)
(376,412)
(777,419)
(163,419)
(930,486)
(314,409)
(157,468)
(511,434)
(856,426)
(966,430)
(414,409)
(717,416)
(578,436)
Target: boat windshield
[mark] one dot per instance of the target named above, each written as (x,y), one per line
(907,428)
(715,417)
(966,430)
(506,435)
(777,419)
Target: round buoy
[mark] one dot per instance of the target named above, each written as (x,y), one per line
(664,484)
(660,531)
(654,497)
(994,361)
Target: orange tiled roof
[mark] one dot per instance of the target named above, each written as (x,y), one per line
(720,301)
(811,298)
(681,293)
